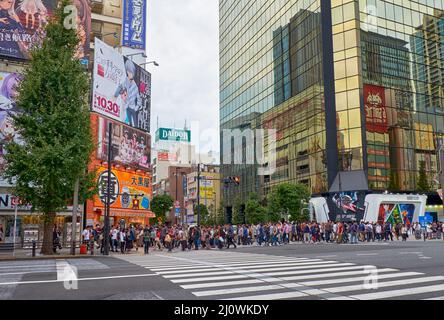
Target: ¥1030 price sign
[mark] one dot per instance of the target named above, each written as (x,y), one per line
(105,105)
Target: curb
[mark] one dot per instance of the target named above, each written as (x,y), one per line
(54,257)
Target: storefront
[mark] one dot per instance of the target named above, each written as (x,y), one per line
(131,193)
(30,227)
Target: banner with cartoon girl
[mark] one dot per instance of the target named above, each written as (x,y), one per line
(8,108)
(22,23)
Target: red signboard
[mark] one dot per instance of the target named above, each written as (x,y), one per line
(375,109)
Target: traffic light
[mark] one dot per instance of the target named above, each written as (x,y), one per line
(229,180)
(135,203)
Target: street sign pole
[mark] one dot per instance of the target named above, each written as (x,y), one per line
(108,193)
(198,194)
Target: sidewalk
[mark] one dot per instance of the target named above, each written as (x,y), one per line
(65,253)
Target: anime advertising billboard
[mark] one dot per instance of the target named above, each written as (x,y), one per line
(8,108)
(121,89)
(126,187)
(130,147)
(396,213)
(375,109)
(22,24)
(134,24)
(346,206)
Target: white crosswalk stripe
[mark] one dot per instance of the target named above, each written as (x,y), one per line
(12,273)
(232,275)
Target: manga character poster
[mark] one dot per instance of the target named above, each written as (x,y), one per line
(346,206)
(130,146)
(8,108)
(121,89)
(22,24)
(396,213)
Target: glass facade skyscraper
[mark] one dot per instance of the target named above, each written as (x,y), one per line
(350,86)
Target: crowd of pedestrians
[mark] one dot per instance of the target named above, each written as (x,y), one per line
(182,237)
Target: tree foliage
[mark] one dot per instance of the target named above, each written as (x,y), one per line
(161,204)
(254,211)
(204,214)
(287,199)
(238,215)
(54,129)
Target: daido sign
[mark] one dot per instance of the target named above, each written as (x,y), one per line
(170,134)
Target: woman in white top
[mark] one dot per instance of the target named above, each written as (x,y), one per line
(122,239)
(404,233)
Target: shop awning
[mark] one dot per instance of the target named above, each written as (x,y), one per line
(128,213)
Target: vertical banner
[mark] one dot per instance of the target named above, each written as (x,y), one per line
(134,24)
(375,109)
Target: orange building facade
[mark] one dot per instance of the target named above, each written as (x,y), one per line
(131,178)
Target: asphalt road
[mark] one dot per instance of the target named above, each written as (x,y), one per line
(410,270)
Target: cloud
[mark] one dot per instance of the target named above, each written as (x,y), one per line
(183,37)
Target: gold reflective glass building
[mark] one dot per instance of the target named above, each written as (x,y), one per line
(353,88)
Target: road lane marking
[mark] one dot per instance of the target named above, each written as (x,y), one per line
(274,296)
(79,279)
(398,293)
(385,284)
(356,279)
(235,290)
(220,284)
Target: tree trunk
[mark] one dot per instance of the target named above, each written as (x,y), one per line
(47,246)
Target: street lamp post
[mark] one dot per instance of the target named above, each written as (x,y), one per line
(198,194)
(441,164)
(145,63)
(108,194)
(15,225)
(136,54)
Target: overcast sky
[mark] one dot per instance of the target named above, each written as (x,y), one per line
(183,37)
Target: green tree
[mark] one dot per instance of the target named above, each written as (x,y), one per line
(54,127)
(204,214)
(288,199)
(220,214)
(238,216)
(254,211)
(423,183)
(161,204)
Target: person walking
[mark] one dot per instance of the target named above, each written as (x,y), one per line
(146,237)
(122,239)
(404,232)
(378,232)
(306,230)
(354,233)
(114,243)
(196,238)
(340,232)
(230,236)
(168,242)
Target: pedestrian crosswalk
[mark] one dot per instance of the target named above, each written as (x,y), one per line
(12,273)
(229,275)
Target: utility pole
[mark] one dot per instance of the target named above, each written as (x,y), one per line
(175,214)
(441,164)
(74,218)
(198,194)
(340,196)
(108,192)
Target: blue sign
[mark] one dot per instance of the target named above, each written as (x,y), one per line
(134,24)
(177,212)
(425,220)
